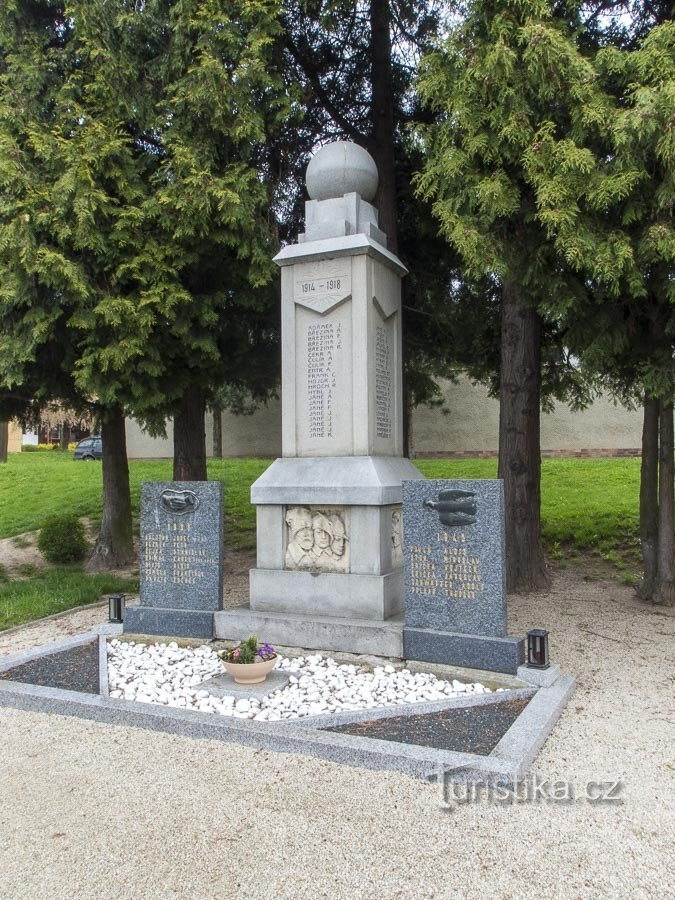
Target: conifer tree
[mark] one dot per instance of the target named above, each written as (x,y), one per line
(606,193)
(134,209)
(503,72)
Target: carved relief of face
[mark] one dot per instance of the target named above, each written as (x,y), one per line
(305,538)
(321,538)
(396,529)
(339,537)
(322,532)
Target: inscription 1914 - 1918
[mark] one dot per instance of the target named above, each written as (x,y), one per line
(321,285)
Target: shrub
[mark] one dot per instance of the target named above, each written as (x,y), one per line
(63,539)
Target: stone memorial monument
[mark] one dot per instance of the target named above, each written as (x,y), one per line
(329,566)
(455,577)
(181,559)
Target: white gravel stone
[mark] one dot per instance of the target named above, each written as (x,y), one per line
(169,675)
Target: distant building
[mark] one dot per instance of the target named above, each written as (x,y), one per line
(14,439)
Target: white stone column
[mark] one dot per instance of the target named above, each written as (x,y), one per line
(329,511)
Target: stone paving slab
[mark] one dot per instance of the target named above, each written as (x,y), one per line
(225,685)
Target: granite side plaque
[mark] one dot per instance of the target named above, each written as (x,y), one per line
(181,559)
(182,544)
(453,556)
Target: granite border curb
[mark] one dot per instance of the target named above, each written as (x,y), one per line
(368,753)
(103,681)
(527,735)
(352,716)
(507,764)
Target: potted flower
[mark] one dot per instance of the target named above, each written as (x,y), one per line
(250,662)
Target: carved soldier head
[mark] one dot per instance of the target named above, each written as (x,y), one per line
(339,535)
(396,537)
(323,531)
(299,521)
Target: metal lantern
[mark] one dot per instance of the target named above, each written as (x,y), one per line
(116,605)
(537,649)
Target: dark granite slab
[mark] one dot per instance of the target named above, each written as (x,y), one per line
(470,651)
(193,623)
(453,556)
(182,545)
(76,669)
(471,729)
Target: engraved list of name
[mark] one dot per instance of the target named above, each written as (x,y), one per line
(177,557)
(324,342)
(383,399)
(445,569)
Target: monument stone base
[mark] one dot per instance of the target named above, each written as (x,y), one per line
(327,633)
(494,654)
(303,593)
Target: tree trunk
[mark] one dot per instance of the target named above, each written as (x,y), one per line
(63,440)
(115,546)
(382,110)
(217,431)
(519,443)
(664,592)
(189,438)
(649,497)
(4,441)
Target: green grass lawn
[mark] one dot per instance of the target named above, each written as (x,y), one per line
(34,486)
(586,503)
(54,590)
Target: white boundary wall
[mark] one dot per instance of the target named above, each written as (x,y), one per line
(470,427)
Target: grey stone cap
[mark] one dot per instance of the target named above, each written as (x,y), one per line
(337,480)
(539,677)
(335,247)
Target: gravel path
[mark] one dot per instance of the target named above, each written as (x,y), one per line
(91,810)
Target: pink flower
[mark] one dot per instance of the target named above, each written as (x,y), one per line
(235,652)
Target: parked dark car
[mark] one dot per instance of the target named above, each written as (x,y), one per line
(89,448)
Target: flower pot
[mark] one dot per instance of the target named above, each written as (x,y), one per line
(250,673)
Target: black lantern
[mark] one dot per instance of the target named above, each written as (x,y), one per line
(116,608)
(537,649)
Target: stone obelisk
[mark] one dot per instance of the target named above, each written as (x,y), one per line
(329,531)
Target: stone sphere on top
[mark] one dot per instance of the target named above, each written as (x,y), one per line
(341,168)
